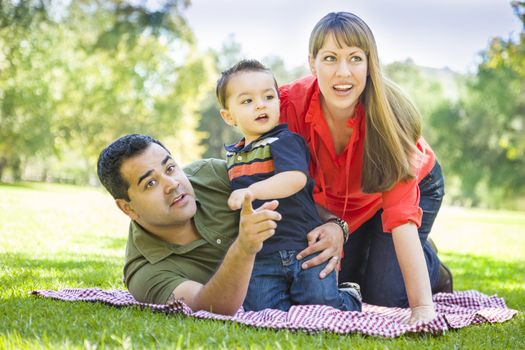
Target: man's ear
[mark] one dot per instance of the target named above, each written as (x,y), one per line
(126,208)
(227,117)
(311,63)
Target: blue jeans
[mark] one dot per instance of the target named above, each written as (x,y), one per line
(278,282)
(370,258)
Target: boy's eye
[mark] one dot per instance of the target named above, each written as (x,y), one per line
(246,101)
(270,97)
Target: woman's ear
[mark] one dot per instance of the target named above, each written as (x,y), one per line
(311,63)
(126,208)
(227,117)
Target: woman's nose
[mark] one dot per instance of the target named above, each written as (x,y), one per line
(343,69)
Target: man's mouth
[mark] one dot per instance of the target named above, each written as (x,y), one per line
(177,199)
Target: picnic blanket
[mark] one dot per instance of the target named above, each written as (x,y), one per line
(454,310)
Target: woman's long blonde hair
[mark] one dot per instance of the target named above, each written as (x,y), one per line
(393,124)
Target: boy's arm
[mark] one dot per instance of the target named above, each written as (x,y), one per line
(280,185)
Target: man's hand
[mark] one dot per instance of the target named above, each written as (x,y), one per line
(237,197)
(256,225)
(327,239)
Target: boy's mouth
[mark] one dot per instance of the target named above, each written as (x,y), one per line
(261,117)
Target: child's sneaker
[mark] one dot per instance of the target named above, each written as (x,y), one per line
(351,288)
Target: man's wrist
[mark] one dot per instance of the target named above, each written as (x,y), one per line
(342,224)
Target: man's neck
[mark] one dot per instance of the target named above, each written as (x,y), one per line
(180,234)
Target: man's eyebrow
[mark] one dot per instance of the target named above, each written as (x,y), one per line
(168,157)
(145,175)
(148,173)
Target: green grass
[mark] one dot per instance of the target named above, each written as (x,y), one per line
(54,236)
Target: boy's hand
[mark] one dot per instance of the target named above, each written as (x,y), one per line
(237,198)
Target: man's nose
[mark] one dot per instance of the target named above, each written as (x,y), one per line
(170,184)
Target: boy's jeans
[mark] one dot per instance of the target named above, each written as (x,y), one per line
(278,282)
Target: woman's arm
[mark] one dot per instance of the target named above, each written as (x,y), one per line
(415,273)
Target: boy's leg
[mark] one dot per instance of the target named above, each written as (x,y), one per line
(268,288)
(308,288)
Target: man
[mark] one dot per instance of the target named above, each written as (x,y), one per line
(181,227)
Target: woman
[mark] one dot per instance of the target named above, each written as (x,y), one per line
(371,166)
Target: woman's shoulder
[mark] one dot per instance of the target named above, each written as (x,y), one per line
(295,98)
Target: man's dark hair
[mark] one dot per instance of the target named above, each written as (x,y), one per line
(111,159)
(241,66)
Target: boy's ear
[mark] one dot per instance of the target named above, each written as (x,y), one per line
(227,117)
(126,208)
(311,63)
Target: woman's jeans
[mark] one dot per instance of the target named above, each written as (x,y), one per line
(278,282)
(370,258)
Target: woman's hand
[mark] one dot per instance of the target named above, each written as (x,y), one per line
(327,239)
(422,313)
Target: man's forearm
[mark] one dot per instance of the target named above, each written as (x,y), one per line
(224,293)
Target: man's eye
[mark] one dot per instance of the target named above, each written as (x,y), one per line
(170,169)
(150,184)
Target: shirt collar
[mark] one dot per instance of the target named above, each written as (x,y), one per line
(154,249)
(240,146)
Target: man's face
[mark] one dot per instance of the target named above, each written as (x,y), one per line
(161,196)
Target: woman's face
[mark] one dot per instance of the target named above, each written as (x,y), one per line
(341,74)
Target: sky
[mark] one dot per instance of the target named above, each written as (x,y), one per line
(433,33)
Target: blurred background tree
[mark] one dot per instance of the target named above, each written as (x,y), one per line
(75,75)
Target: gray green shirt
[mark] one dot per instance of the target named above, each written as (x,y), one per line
(154,268)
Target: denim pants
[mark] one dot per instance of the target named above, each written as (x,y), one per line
(278,282)
(370,258)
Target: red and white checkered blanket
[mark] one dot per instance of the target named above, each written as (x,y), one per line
(455,310)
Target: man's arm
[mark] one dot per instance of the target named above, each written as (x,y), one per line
(224,293)
(280,185)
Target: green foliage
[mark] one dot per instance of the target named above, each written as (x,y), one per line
(48,243)
(73,80)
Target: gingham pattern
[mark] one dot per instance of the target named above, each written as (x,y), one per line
(455,310)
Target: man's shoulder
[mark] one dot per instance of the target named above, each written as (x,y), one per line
(206,170)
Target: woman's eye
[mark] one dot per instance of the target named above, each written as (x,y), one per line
(329,58)
(356,58)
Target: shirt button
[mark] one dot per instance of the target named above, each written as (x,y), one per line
(219,241)
(239,158)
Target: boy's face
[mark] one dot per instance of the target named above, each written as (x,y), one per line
(252,104)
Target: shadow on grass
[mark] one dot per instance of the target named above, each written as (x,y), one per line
(22,272)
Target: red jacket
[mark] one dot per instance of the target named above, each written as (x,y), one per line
(338,177)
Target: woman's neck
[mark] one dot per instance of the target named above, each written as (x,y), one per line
(336,115)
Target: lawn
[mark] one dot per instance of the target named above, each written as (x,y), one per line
(54,236)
